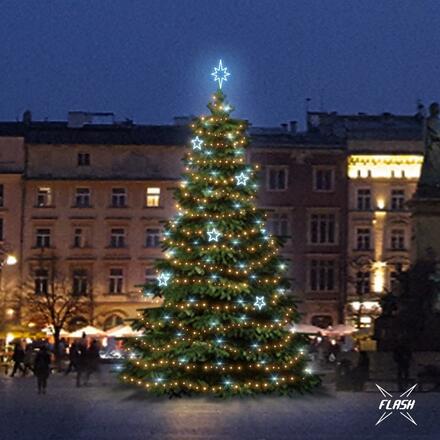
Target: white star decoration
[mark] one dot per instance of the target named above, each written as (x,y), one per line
(213,235)
(259,302)
(197,143)
(163,279)
(242,179)
(220,74)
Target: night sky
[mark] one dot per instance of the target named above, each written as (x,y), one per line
(150,60)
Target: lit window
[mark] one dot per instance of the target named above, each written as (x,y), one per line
(322,275)
(117,238)
(80,282)
(322,229)
(82,197)
(397,199)
(276,178)
(397,239)
(323,179)
(152,238)
(41,281)
(119,198)
(44,197)
(116,281)
(153,197)
(363,239)
(42,236)
(363,199)
(83,159)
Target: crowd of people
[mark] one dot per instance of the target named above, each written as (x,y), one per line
(41,359)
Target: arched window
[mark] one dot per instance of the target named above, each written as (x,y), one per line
(113,321)
(76,323)
(322,321)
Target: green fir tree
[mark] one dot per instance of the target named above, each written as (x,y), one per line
(223,328)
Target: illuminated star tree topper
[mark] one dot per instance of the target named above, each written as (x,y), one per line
(220,74)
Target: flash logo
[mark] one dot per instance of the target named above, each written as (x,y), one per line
(396,404)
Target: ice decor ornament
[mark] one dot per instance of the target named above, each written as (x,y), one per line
(197,143)
(222,327)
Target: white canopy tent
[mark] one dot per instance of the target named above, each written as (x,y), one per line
(123,331)
(89,331)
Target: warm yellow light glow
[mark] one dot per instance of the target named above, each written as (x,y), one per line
(365,319)
(366,305)
(11,260)
(385,166)
(10,312)
(9,338)
(380,203)
(379,276)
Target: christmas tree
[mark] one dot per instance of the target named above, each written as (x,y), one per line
(223,327)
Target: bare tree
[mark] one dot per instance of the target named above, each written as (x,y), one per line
(50,298)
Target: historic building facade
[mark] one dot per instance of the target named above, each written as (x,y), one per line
(91,199)
(384,157)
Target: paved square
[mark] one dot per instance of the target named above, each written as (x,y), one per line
(103,412)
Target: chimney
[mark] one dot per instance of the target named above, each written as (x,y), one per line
(293,127)
(27,117)
(284,127)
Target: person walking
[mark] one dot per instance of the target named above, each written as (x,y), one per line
(28,359)
(17,358)
(402,356)
(42,369)
(74,353)
(93,360)
(81,362)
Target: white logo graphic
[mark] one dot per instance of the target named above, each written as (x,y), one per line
(391,404)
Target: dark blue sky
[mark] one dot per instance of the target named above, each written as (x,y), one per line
(150,60)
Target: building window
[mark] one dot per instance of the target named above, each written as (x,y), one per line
(322,275)
(44,196)
(79,238)
(362,282)
(363,199)
(152,197)
(117,238)
(397,199)
(323,179)
(119,198)
(395,274)
(152,238)
(278,224)
(83,159)
(116,281)
(2,195)
(80,282)
(42,238)
(41,281)
(112,321)
(82,197)
(2,230)
(276,178)
(322,229)
(322,321)
(363,239)
(397,239)
(150,275)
